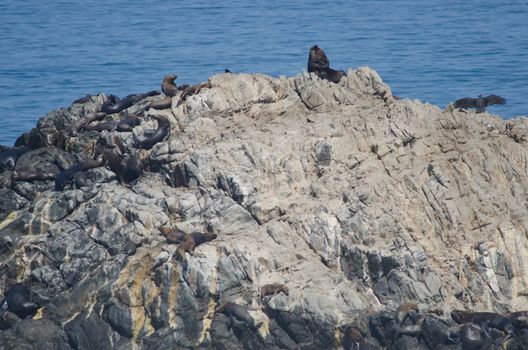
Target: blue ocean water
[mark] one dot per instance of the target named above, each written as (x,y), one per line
(436,51)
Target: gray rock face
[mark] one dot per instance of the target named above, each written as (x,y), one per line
(355,201)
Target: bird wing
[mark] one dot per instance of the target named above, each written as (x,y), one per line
(494,100)
(466,102)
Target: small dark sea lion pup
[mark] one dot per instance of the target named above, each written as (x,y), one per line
(17,301)
(115,105)
(319,64)
(10,155)
(168,86)
(480,103)
(159,135)
(67,176)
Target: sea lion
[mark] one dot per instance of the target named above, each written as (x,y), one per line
(127,124)
(83,99)
(128,170)
(462,316)
(480,103)
(9,157)
(161,104)
(240,313)
(227,71)
(192,90)
(319,64)
(192,240)
(168,87)
(404,310)
(273,289)
(161,133)
(17,301)
(79,124)
(110,125)
(352,339)
(32,175)
(115,105)
(173,235)
(68,175)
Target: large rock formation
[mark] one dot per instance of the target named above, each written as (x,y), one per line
(352,199)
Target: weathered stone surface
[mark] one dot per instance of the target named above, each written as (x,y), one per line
(355,201)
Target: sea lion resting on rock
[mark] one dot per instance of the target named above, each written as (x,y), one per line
(319,64)
(9,157)
(192,240)
(405,310)
(127,124)
(110,125)
(128,170)
(83,99)
(192,90)
(168,87)
(273,289)
(173,235)
(115,105)
(161,133)
(17,301)
(79,124)
(161,104)
(67,176)
(32,175)
(353,340)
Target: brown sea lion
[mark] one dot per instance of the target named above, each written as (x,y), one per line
(173,235)
(115,105)
(192,90)
(127,124)
(110,125)
(192,240)
(67,176)
(319,64)
(32,175)
(128,170)
(160,134)
(352,339)
(404,310)
(273,289)
(161,104)
(79,124)
(168,87)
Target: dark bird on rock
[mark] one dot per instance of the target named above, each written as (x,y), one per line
(480,103)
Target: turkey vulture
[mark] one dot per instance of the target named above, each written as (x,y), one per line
(480,103)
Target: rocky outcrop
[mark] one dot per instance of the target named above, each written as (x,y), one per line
(353,200)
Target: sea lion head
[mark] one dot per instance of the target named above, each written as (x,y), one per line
(170,78)
(317,59)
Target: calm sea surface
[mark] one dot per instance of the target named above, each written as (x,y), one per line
(53,52)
